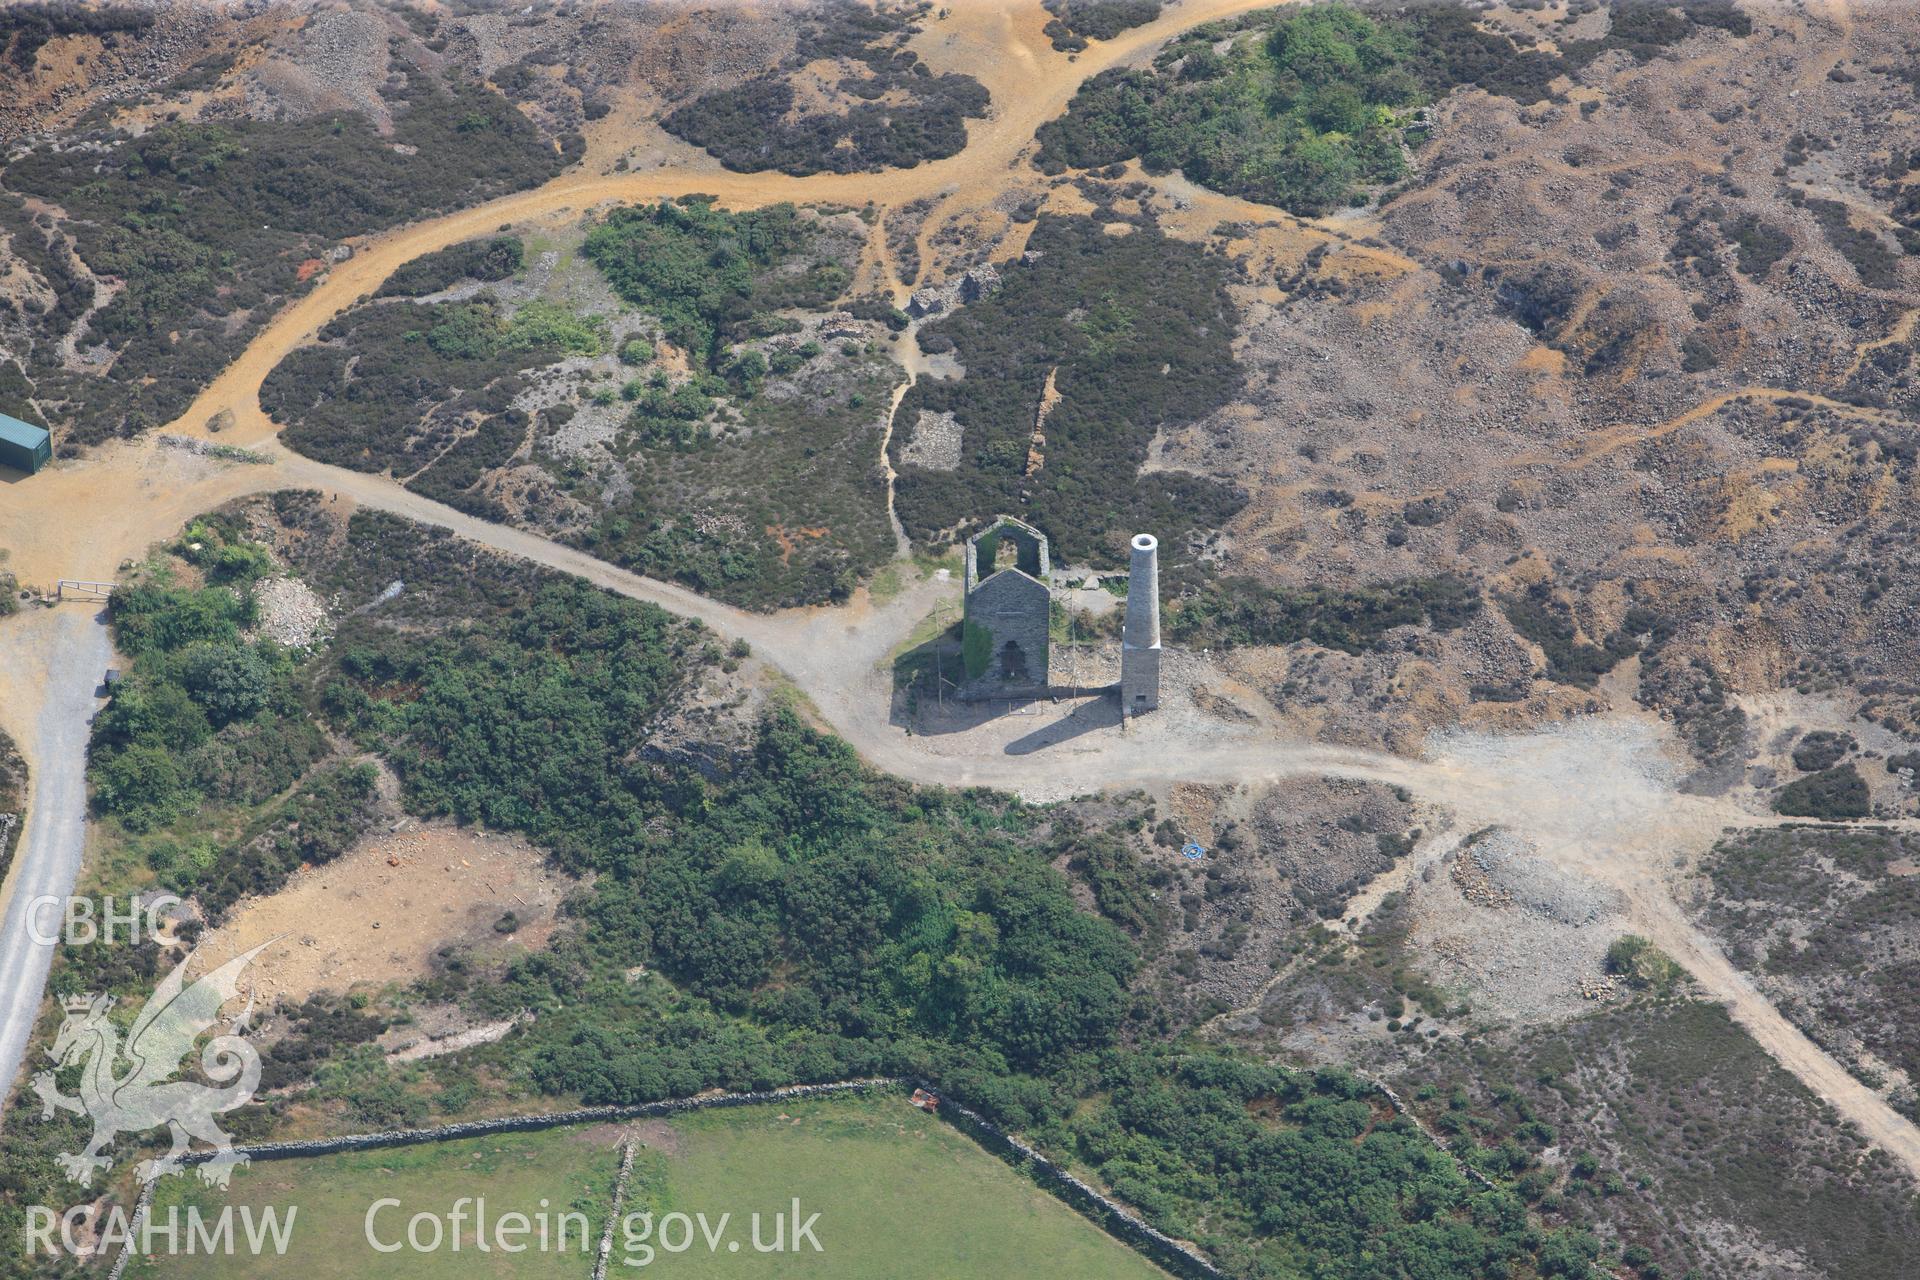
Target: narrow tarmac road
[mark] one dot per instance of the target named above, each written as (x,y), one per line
(72,645)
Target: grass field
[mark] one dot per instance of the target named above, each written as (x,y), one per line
(899,1195)
(571,1169)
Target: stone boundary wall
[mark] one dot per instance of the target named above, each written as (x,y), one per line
(301,1148)
(1121,1223)
(1109,1215)
(135,1225)
(613,1213)
(1402,1109)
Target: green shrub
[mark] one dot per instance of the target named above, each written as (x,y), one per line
(1642,964)
(1833,794)
(704,272)
(239,562)
(1821,749)
(673,418)
(747,370)
(471,331)
(144,786)
(229,681)
(151,617)
(1300,119)
(222,554)
(484,260)
(1263,1166)
(580,659)
(1241,611)
(906,113)
(249,763)
(550,327)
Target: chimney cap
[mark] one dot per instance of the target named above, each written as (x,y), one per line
(1145,542)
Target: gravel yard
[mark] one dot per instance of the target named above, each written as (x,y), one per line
(290,613)
(1516,936)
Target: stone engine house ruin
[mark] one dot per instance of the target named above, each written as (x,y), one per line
(1006,632)
(1004,638)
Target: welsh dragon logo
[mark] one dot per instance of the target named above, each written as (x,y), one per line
(141,1097)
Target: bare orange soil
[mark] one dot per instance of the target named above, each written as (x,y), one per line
(380,912)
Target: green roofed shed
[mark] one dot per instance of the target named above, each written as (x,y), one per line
(23,446)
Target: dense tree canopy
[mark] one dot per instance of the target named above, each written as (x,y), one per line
(1309,106)
(1301,119)
(704,271)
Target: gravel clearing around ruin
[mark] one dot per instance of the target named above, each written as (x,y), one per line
(1602,783)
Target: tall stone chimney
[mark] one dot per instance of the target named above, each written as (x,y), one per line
(1140,637)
